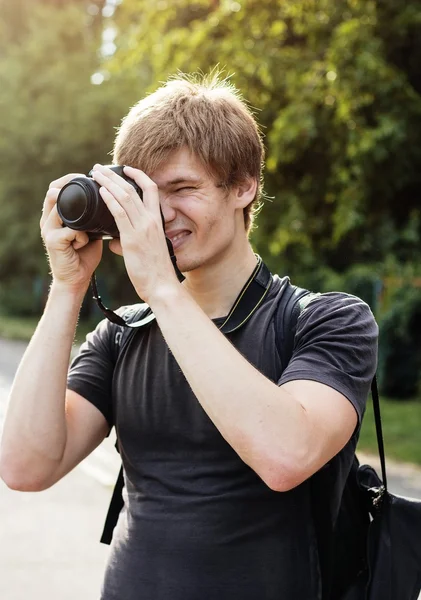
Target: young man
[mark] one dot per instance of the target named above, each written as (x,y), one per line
(219,441)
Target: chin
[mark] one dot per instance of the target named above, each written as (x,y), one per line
(186,264)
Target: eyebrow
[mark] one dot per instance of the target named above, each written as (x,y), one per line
(185,179)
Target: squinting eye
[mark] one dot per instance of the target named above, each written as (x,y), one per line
(182,189)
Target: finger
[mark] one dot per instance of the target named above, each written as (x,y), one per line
(53,192)
(81,240)
(52,222)
(123,192)
(114,177)
(118,211)
(115,246)
(49,201)
(149,188)
(61,182)
(60,239)
(118,180)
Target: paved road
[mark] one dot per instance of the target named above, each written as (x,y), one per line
(49,541)
(49,545)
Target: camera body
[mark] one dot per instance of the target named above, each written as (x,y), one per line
(80,206)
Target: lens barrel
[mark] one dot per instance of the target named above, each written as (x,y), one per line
(80,206)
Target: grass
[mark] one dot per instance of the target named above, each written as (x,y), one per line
(401,424)
(401,420)
(14,328)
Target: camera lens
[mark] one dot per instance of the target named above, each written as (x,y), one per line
(73,203)
(80,206)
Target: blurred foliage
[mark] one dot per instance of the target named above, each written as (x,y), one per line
(337,92)
(400,351)
(54,121)
(22,328)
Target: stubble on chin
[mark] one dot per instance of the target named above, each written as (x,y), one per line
(188,264)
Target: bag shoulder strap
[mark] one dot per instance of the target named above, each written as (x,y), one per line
(293,301)
(130,314)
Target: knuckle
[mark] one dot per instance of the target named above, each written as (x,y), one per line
(120,213)
(150,187)
(61,182)
(52,193)
(130,244)
(46,236)
(150,223)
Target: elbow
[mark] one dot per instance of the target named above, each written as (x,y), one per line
(21,483)
(281,475)
(21,479)
(280,480)
(283,483)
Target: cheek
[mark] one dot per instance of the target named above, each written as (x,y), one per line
(209,216)
(215,221)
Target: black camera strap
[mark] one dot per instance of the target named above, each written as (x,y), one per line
(248,300)
(113,316)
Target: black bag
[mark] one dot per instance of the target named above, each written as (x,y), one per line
(394,541)
(375,552)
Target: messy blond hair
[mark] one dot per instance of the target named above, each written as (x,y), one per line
(204,113)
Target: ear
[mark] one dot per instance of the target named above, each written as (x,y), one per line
(245,192)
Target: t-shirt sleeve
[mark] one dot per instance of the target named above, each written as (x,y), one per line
(91,371)
(336,344)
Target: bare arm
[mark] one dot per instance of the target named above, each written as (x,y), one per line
(284,433)
(41,439)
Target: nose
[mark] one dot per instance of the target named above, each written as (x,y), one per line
(167,209)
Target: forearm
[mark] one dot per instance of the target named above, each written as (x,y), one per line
(34,436)
(264,424)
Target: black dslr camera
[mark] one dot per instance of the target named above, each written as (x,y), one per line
(81,207)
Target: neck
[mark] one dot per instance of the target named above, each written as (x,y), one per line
(216,286)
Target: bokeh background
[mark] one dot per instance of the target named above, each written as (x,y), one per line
(336,88)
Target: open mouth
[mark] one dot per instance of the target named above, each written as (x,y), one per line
(178,239)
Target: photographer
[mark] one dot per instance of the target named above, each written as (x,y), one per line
(219,440)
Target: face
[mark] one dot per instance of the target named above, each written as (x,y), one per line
(201,219)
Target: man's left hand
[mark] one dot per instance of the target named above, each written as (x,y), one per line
(142,239)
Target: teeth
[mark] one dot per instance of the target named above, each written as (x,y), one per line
(179,235)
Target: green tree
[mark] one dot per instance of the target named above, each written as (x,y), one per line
(339,102)
(335,83)
(54,121)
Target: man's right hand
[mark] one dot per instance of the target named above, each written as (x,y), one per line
(72,256)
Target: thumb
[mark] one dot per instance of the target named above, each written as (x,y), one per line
(81,240)
(115,246)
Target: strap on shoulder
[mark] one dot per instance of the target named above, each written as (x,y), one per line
(130,314)
(293,301)
(114,509)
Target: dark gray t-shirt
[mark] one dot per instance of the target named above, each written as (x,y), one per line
(198,522)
